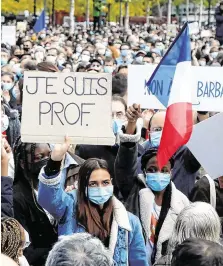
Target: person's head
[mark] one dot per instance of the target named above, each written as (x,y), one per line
(52,55)
(7,81)
(198,252)
(96,65)
(123,69)
(198,220)
(119,84)
(5,55)
(156,179)
(109,65)
(12,238)
(139,56)
(29,65)
(95,191)
(202,61)
(148,60)
(39,54)
(124,49)
(27,46)
(119,108)
(221,5)
(47,67)
(156,125)
(29,159)
(61,59)
(214,52)
(85,56)
(78,250)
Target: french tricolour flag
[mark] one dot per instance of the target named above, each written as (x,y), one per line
(174,69)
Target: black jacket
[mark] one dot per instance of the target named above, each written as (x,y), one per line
(201,192)
(219,22)
(6,196)
(35,221)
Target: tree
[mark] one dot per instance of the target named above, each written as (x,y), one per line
(72,8)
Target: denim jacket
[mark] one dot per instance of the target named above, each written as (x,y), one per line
(126,239)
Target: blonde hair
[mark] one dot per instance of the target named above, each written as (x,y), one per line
(198,220)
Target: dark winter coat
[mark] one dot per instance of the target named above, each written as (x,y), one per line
(6,196)
(219,22)
(201,192)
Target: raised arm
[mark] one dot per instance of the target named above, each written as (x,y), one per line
(51,195)
(126,160)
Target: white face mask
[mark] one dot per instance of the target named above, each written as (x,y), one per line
(51,59)
(60,62)
(202,63)
(85,58)
(4,123)
(214,55)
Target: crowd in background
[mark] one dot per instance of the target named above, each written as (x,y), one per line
(105,205)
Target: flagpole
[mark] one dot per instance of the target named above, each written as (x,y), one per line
(45,7)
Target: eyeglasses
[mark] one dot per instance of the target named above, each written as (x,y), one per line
(156,129)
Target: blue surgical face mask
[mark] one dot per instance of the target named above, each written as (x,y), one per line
(108,54)
(155,138)
(139,59)
(3,61)
(124,53)
(108,69)
(214,55)
(116,126)
(7,86)
(157,181)
(99,195)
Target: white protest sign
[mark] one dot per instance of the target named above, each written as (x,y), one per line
(172,30)
(21,25)
(206,144)
(9,35)
(193,28)
(206,82)
(76,104)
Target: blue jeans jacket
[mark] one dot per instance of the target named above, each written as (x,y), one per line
(126,239)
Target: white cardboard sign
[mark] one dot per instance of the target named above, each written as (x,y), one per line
(73,104)
(206,82)
(9,35)
(206,144)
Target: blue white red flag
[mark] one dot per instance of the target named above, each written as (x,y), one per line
(177,98)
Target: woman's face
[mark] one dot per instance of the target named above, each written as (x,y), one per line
(42,152)
(7,79)
(99,178)
(152,166)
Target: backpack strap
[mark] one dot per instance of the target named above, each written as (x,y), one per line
(212,191)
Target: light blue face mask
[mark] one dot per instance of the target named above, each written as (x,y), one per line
(3,61)
(99,195)
(108,69)
(157,181)
(155,138)
(7,86)
(124,53)
(116,126)
(108,54)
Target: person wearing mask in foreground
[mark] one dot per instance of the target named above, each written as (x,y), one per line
(105,152)
(92,208)
(29,159)
(198,220)
(198,252)
(13,240)
(152,196)
(79,249)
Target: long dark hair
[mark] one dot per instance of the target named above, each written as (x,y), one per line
(97,222)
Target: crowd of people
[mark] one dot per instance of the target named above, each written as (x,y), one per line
(98,204)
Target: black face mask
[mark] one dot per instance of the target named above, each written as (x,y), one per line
(37,166)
